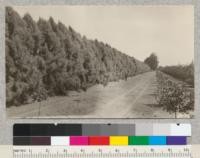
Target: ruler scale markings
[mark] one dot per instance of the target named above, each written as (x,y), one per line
(111,152)
(117,135)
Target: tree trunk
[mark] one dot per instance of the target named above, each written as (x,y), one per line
(175,114)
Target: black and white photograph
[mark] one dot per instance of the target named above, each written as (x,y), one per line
(128,61)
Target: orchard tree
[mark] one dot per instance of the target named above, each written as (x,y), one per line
(152,61)
(172,96)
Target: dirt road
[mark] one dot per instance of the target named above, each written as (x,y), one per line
(134,98)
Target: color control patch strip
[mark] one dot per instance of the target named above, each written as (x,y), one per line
(104,140)
(101,134)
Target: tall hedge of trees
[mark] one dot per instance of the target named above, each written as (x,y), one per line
(45,59)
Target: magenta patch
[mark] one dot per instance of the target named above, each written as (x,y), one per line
(78,140)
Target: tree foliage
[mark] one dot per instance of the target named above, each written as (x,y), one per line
(45,58)
(174,96)
(152,61)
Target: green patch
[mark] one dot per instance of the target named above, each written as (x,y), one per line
(138,140)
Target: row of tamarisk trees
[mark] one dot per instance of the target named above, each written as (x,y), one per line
(45,59)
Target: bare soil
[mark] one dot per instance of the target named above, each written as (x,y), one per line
(134,98)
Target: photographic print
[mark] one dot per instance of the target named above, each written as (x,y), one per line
(99,61)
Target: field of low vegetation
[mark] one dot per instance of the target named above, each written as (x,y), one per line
(173,95)
(45,59)
(184,73)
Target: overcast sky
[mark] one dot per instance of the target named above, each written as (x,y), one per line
(135,30)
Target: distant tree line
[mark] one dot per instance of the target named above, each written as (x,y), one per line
(184,73)
(45,58)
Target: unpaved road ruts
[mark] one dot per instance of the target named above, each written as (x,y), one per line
(134,98)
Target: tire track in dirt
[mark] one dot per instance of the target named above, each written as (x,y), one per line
(123,99)
(119,106)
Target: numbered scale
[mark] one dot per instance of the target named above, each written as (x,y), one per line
(102,152)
